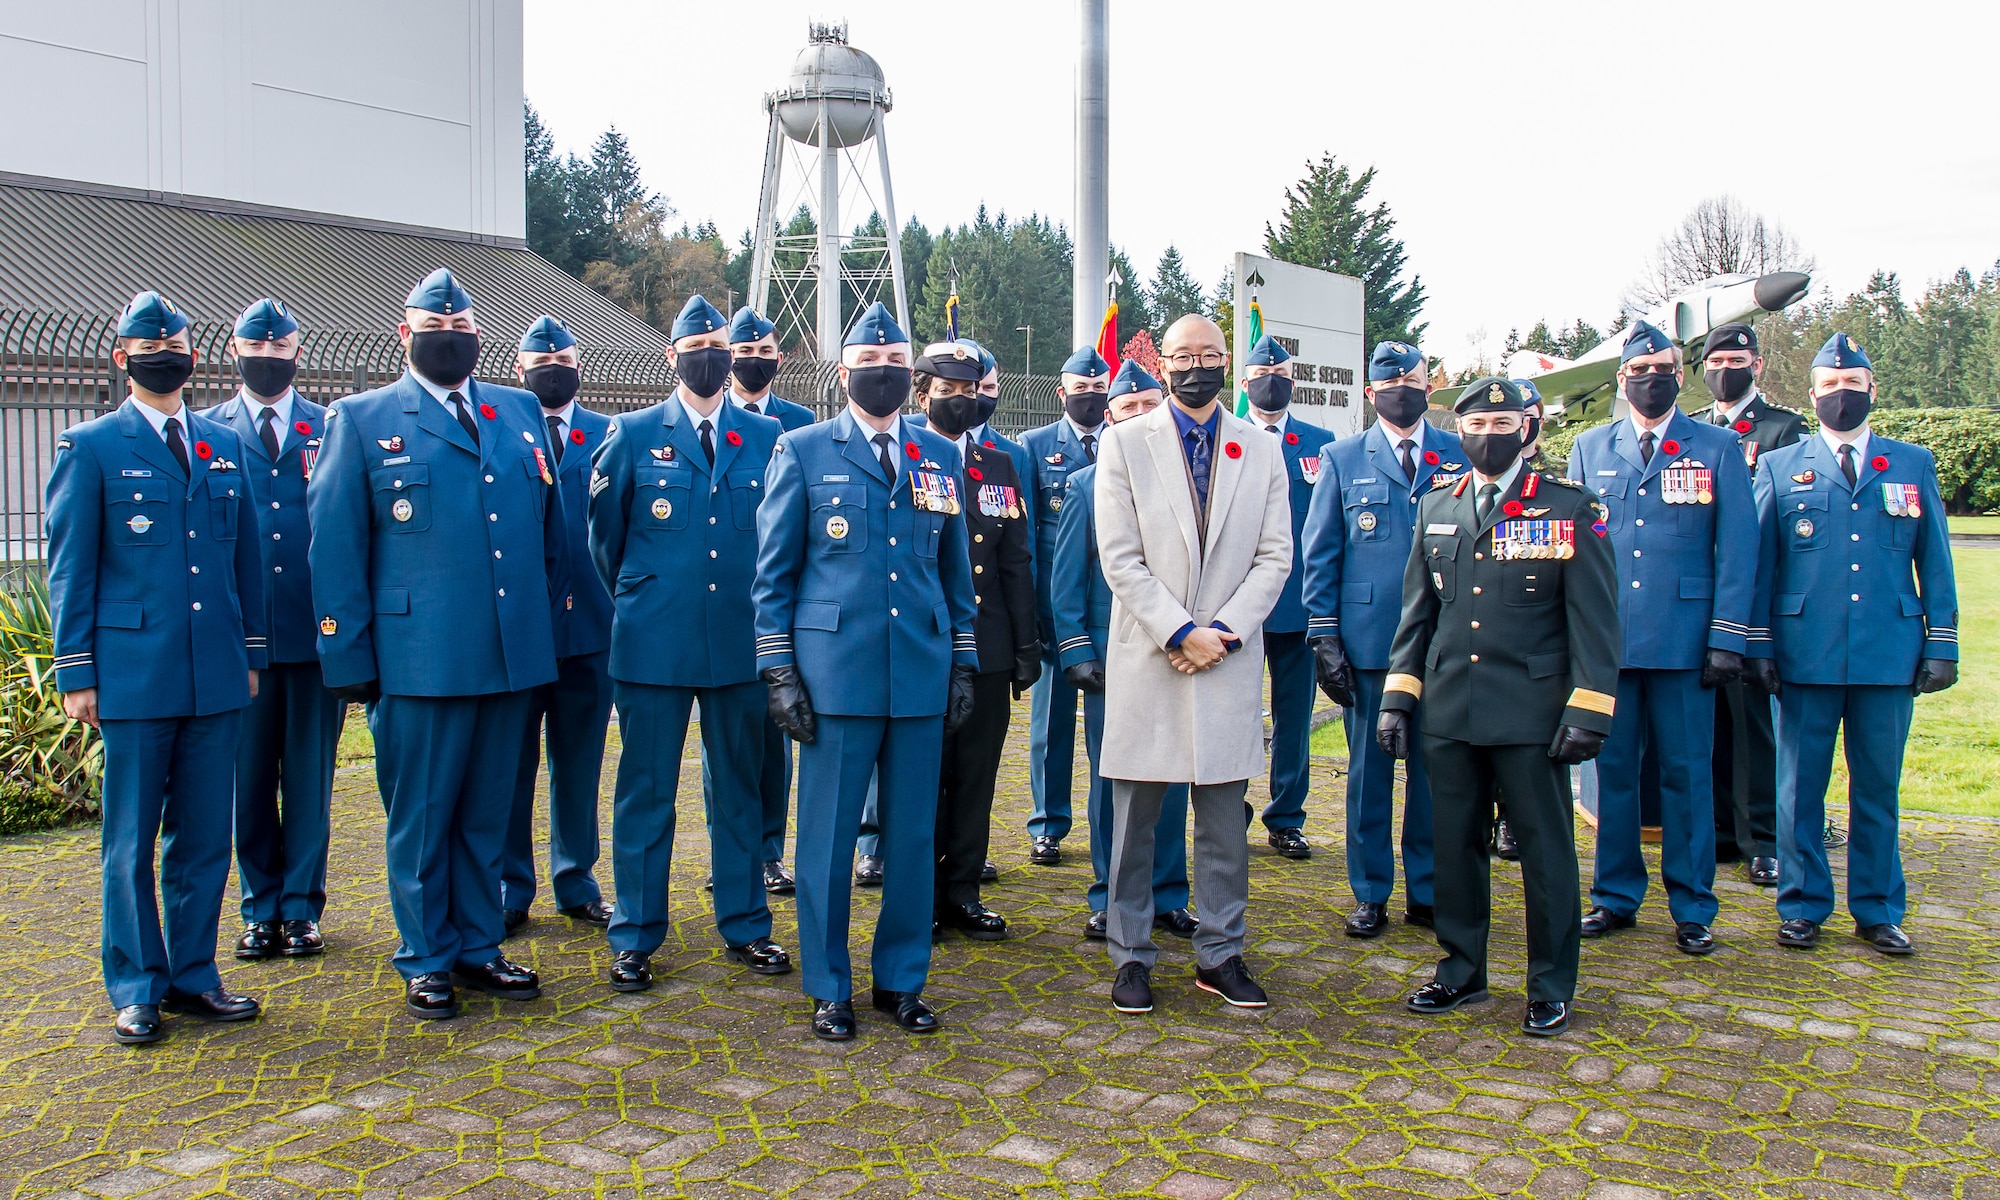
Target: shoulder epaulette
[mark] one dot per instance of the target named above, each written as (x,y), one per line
(1571,484)
(1458,489)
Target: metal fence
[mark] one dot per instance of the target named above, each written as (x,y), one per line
(56,371)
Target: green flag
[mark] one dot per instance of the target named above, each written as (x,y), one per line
(1256,335)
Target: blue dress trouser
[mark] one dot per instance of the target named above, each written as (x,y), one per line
(575,709)
(1051,751)
(774,789)
(1371,803)
(652,726)
(285,757)
(833,779)
(170,779)
(1292,689)
(1170,874)
(1677,715)
(446,767)
(1876,720)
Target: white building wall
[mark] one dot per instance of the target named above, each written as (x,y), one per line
(394,110)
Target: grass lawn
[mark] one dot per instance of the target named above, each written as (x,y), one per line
(1973,524)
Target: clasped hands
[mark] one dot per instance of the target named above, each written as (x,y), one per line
(1202,648)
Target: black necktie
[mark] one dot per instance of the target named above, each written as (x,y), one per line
(1489,495)
(708,441)
(177,444)
(269,434)
(1090,446)
(752,407)
(1846,464)
(1409,452)
(465,416)
(555,437)
(882,441)
(1271,428)
(1646,446)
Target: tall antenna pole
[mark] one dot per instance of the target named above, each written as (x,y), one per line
(830,327)
(1093,153)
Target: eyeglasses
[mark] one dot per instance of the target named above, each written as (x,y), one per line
(1652,369)
(1182,362)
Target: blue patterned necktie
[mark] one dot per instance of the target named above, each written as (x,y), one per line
(1197,456)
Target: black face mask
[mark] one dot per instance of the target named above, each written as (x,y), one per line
(880,391)
(1531,430)
(1086,408)
(1492,453)
(1270,393)
(953,415)
(704,371)
(753,375)
(1402,406)
(986,406)
(446,357)
(1652,395)
(1728,384)
(1195,386)
(1843,410)
(266,376)
(554,384)
(161,372)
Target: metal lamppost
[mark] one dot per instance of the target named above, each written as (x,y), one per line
(1028,367)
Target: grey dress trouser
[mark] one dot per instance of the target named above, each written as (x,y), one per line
(1220,869)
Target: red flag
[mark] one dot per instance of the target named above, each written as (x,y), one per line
(1107,337)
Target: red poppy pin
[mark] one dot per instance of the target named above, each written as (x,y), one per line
(1291,439)
(910,448)
(1430,458)
(1512,508)
(989,445)
(733,438)
(304,427)
(1670,446)
(1742,427)
(1232,449)
(486,410)
(202,451)
(576,436)
(976,474)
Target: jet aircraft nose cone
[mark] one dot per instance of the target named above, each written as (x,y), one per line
(1780,288)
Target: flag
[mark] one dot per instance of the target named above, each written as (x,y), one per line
(1256,335)
(1107,337)
(951,314)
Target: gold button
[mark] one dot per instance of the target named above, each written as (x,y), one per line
(1479,554)
(1475,591)
(1475,624)
(978,537)
(977,599)
(979,570)
(1475,658)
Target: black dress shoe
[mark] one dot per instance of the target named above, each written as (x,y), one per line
(596,912)
(1692,937)
(1436,997)
(1290,843)
(1887,938)
(631,971)
(1420,914)
(511,921)
(1601,920)
(500,978)
(1764,871)
(1177,921)
(215,1004)
(990,872)
(909,1010)
(1545,1018)
(1230,979)
(868,871)
(1044,851)
(302,940)
(260,940)
(430,997)
(1504,845)
(1368,920)
(761,955)
(777,880)
(1098,928)
(137,1024)
(1798,933)
(975,921)
(833,1021)
(1132,990)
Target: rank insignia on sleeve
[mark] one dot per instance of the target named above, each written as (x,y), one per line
(328,627)
(598,482)
(393,445)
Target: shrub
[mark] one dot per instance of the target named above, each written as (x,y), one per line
(51,766)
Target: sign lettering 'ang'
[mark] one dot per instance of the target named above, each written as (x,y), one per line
(1317,317)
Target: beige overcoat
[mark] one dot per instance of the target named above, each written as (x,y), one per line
(1167,567)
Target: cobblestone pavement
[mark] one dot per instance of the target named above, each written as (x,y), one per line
(1757,1072)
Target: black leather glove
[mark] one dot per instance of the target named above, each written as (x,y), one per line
(1573,745)
(1721,666)
(1935,675)
(1027,669)
(790,707)
(1761,674)
(958,699)
(1086,676)
(1392,733)
(359,693)
(1334,672)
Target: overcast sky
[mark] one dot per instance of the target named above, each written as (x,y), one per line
(1532,154)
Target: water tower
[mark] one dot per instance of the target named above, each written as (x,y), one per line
(827,120)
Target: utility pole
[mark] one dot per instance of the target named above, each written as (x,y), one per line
(1093,153)
(1028,367)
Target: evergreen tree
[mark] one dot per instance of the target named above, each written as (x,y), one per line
(1135,309)
(1326,224)
(917,243)
(550,231)
(1174,292)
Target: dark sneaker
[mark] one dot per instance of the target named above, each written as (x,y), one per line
(1231,981)
(1132,991)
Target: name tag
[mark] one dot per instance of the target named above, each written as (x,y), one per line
(397,461)
(1447,530)
(835,478)
(1611,473)
(136,474)
(1370,479)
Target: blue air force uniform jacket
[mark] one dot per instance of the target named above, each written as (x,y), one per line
(438,567)
(676,542)
(1081,597)
(786,413)
(1305,446)
(279,490)
(1855,592)
(1687,568)
(583,626)
(156,576)
(1054,451)
(1358,535)
(870,596)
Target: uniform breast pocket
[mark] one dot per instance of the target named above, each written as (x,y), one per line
(136,511)
(223,495)
(1531,583)
(532,468)
(1053,485)
(746,492)
(1611,494)
(1367,512)
(1804,522)
(1895,533)
(930,528)
(660,499)
(838,518)
(1441,564)
(402,497)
